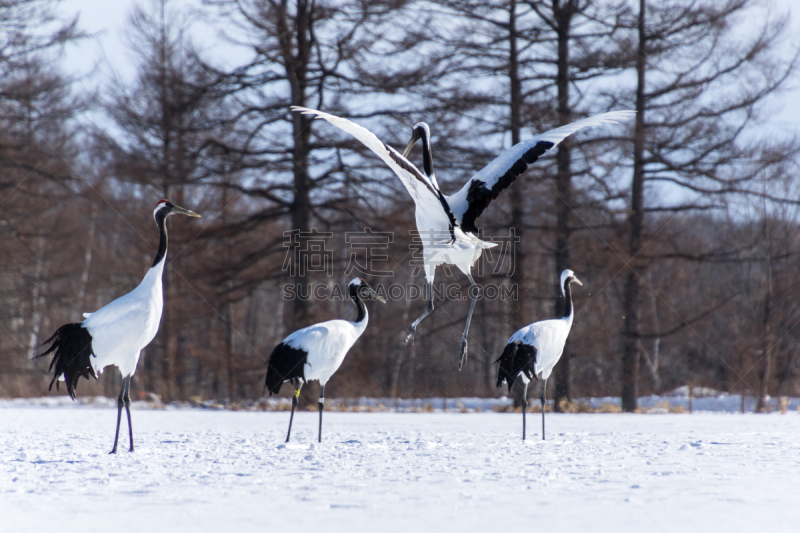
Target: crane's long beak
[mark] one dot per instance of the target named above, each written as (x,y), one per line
(414,138)
(576,280)
(371,292)
(181,211)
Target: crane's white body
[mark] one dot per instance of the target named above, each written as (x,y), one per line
(549,338)
(439,249)
(121,329)
(326,344)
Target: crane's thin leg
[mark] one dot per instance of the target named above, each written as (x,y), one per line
(127,385)
(120,403)
(294,404)
(524,405)
(412,329)
(321,407)
(544,389)
(473,294)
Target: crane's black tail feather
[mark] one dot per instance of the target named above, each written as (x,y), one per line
(285,364)
(517,357)
(72,352)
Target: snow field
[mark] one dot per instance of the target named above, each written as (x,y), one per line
(674,401)
(209,471)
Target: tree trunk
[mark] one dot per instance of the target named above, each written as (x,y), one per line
(517,199)
(166,159)
(37,302)
(766,370)
(563,201)
(632,300)
(296,71)
(230,349)
(87,259)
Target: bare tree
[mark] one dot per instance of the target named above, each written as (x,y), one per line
(691,126)
(328,55)
(38,107)
(582,49)
(714,258)
(165,121)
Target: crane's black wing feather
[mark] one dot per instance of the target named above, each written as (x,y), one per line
(72,352)
(517,358)
(285,364)
(481,193)
(469,202)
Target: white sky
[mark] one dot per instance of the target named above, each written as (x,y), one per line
(108,50)
(107,20)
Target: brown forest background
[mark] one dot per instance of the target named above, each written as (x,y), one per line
(683,226)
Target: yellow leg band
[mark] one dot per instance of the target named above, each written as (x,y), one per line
(297,393)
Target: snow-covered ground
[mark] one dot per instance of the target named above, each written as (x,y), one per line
(678,400)
(217,471)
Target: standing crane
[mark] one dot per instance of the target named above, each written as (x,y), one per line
(317,352)
(448,222)
(534,350)
(117,333)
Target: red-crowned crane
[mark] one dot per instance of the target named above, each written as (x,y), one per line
(448,222)
(117,333)
(316,352)
(534,350)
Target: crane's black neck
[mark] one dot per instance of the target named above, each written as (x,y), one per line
(161,220)
(360,307)
(567,292)
(427,156)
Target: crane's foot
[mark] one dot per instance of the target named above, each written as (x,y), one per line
(113,451)
(410,335)
(463,360)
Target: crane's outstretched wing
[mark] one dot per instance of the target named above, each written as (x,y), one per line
(469,202)
(426,196)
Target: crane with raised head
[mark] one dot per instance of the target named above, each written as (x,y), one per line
(115,334)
